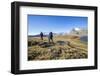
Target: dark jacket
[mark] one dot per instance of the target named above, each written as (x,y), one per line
(41,34)
(50,35)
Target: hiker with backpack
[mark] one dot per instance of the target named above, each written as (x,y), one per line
(41,35)
(50,37)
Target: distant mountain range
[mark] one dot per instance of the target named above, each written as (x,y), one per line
(74,31)
(38,35)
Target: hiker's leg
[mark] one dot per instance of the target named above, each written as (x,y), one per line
(41,37)
(52,40)
(49,40)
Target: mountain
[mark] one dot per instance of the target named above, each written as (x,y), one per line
(79,31)
(76,29)
(59,34)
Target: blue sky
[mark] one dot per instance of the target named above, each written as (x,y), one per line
(56,24)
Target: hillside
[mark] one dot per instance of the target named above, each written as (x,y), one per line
(63,47)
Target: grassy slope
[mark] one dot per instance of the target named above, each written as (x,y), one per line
(72,49)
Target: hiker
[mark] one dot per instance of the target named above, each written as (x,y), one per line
(41,35)
(50,37)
